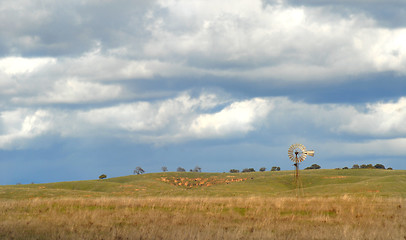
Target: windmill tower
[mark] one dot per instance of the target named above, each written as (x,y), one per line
(297,154)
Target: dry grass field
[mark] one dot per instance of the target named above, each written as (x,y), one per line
(333,204)
(203,218)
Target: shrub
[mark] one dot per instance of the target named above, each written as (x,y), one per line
(314,166)
(379,166)
(103,176)
(355,166)
(248,170)
(180,169)
(274,168)
(234,171)
(263,169)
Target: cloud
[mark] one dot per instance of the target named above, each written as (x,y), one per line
(380,120)
(237,118)
(20,126)
(73,91)
(265,125)
(172,120)
(163,119)
(20,66)
(273,41)
(375,147)
(39,28)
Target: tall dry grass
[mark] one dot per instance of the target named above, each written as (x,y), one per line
(203,218)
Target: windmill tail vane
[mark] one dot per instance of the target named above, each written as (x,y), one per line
(309,153)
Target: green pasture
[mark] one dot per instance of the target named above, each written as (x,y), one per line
(314,183)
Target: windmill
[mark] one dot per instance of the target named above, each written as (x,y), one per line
(297,153)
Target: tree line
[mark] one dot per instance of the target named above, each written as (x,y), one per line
(140,170)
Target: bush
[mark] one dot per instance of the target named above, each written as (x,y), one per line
(274,168)
(248,170)
(379,166)
(313,166)
(355,166)
(234,171)
(180,169)
(263,169)
(345,167)
(103,176)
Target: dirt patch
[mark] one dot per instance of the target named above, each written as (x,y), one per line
(200,182)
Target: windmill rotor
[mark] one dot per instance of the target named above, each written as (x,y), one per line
(298,153)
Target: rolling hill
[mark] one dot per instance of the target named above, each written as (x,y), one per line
(320,183)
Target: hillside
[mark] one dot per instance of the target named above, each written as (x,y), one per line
(324,183)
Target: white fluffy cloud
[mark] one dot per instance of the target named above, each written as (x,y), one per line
(22,125)
(237,118)
(277,41)
(205,117)
(21,66)
(379,119)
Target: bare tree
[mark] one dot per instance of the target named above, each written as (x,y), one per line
(138,170)
(164,169)
(197,169)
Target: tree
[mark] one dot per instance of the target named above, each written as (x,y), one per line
(355,166)
(363,166)
(197,169)
(345,167)
(103,176)
(180,169)
(313,166)
(248,170)
(275,168)
(164,169)
(234,171)
(379,166)
(370,166)
(263,169)
(138,170)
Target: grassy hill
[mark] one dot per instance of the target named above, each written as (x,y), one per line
(323,183)
(337,204)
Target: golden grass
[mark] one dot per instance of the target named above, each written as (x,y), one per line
(203,218)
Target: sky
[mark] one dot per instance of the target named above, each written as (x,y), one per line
(103,86)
